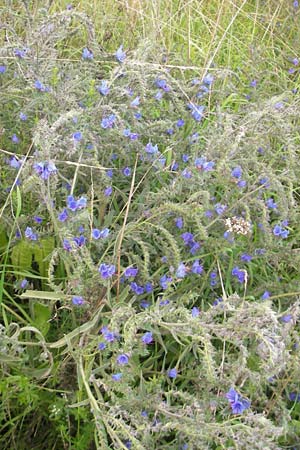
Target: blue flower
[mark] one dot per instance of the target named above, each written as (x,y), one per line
(66,245)
(123,359)
(77,136)
(165,281)
(108,335)
(103,88)
(45,169)
(15,163)
(287,318)
(237,403)
(108,121)
(136,288)
(151,149)
(208,79)
(21,53)
(40,86)
(120,55)
(239,274)
(100,234)
(237,172)
(63,216)
(265,295)
(108,191)
(172,373)
(246,258)
(195,311)
(148,287)
(79,241)
(15,139)
(135,102)
(162,84)
(280,232)
(271,204)
(197,268)
(127,171)
(2,69)
(179,222)
(220,209)
(77,300)
(74,205)
(107,270)
(294,397)
(117,376)
(87,54)
(101,346)
(23,116)
(181,271)
(147,337)
(131,272)
(202,164)
(23,283)
(29,234)
(180,123)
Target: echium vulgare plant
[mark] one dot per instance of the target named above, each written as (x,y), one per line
(149,280)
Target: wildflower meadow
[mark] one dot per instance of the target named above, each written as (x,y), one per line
(149,225)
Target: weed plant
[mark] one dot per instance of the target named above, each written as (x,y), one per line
(149,245)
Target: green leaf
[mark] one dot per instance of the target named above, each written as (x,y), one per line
(41,315)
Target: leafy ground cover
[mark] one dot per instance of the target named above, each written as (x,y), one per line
(149,228)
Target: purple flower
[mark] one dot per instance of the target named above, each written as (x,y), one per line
(162,84)
(195,311)
(265,295)
(136,288)
(66,245)
(181,271)
(237,403)
(197,112)
(144,304)
(131,272)
(180,123)
(208,79)
(294,397)
(79,241)
(101,346)
(202,164)
(186,173)
(103,88)
(135,102)
(127,171)
(253,83)
(287,318)
(188,238)
(172,373)
(108,121)
(117,376)
(123,359)
(148,287)
(77,136)
(120,55)
(165,281)
(245,257)
(15,139)
(280,232)
(74,205)
(29,234)
(220,209)
(271,204)
(242,183)
(87,54)
(100,234)
(63,216)
(21,53)
(23,116)
(40,86)
(2,69)
(151,149)
(239,274)
(197,268)
(107,270)
(108,191)
(179,222)
(185,158)
(45,169)
(15,163)
(108,335)
(23,283)
(236,172)
(77,300)
(147,338)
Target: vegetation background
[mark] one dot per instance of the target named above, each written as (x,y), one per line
(97,361)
